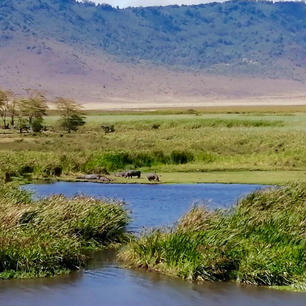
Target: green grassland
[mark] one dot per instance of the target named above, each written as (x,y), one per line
(184,146)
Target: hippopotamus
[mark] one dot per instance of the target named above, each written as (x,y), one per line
(101,178)
(89,177)
(153,177)
(132,173)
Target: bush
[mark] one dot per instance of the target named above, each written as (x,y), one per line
(155,126)
(37,126)
(26,169)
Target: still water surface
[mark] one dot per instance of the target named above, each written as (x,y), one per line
(105,283)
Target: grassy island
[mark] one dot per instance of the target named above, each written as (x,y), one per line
(261,241)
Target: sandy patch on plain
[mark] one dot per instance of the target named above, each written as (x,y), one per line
(125,104)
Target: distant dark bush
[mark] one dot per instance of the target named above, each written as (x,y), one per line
(37,126)
(26,169)
(7,177)
(51,170)
(155,126)
(108,128)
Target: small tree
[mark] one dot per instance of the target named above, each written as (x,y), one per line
(4,107)
(33,107)
(12,111)
(71,115)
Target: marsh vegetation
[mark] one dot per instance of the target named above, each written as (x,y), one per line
(191,142)
(261,241)
(54,235)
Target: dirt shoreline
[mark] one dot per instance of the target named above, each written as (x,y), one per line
(263,177)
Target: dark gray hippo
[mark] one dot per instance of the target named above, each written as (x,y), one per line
(152,177)
(132,173)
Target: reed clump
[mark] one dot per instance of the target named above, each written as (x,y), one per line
(53,235)
(261,241)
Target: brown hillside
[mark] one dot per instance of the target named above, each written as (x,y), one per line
(101,81)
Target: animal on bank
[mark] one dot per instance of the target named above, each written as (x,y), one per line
(153,177)
(101,178)
(133,173)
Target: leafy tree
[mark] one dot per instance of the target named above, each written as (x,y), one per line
(71,115)
(33,107)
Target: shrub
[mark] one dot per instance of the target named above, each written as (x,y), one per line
(37,125)
(26,169)
(155,126)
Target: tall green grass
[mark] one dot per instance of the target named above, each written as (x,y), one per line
(53,235)
(120,160)
(261,241)
(28,165)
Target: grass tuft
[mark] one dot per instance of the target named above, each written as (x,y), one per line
(53,235)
